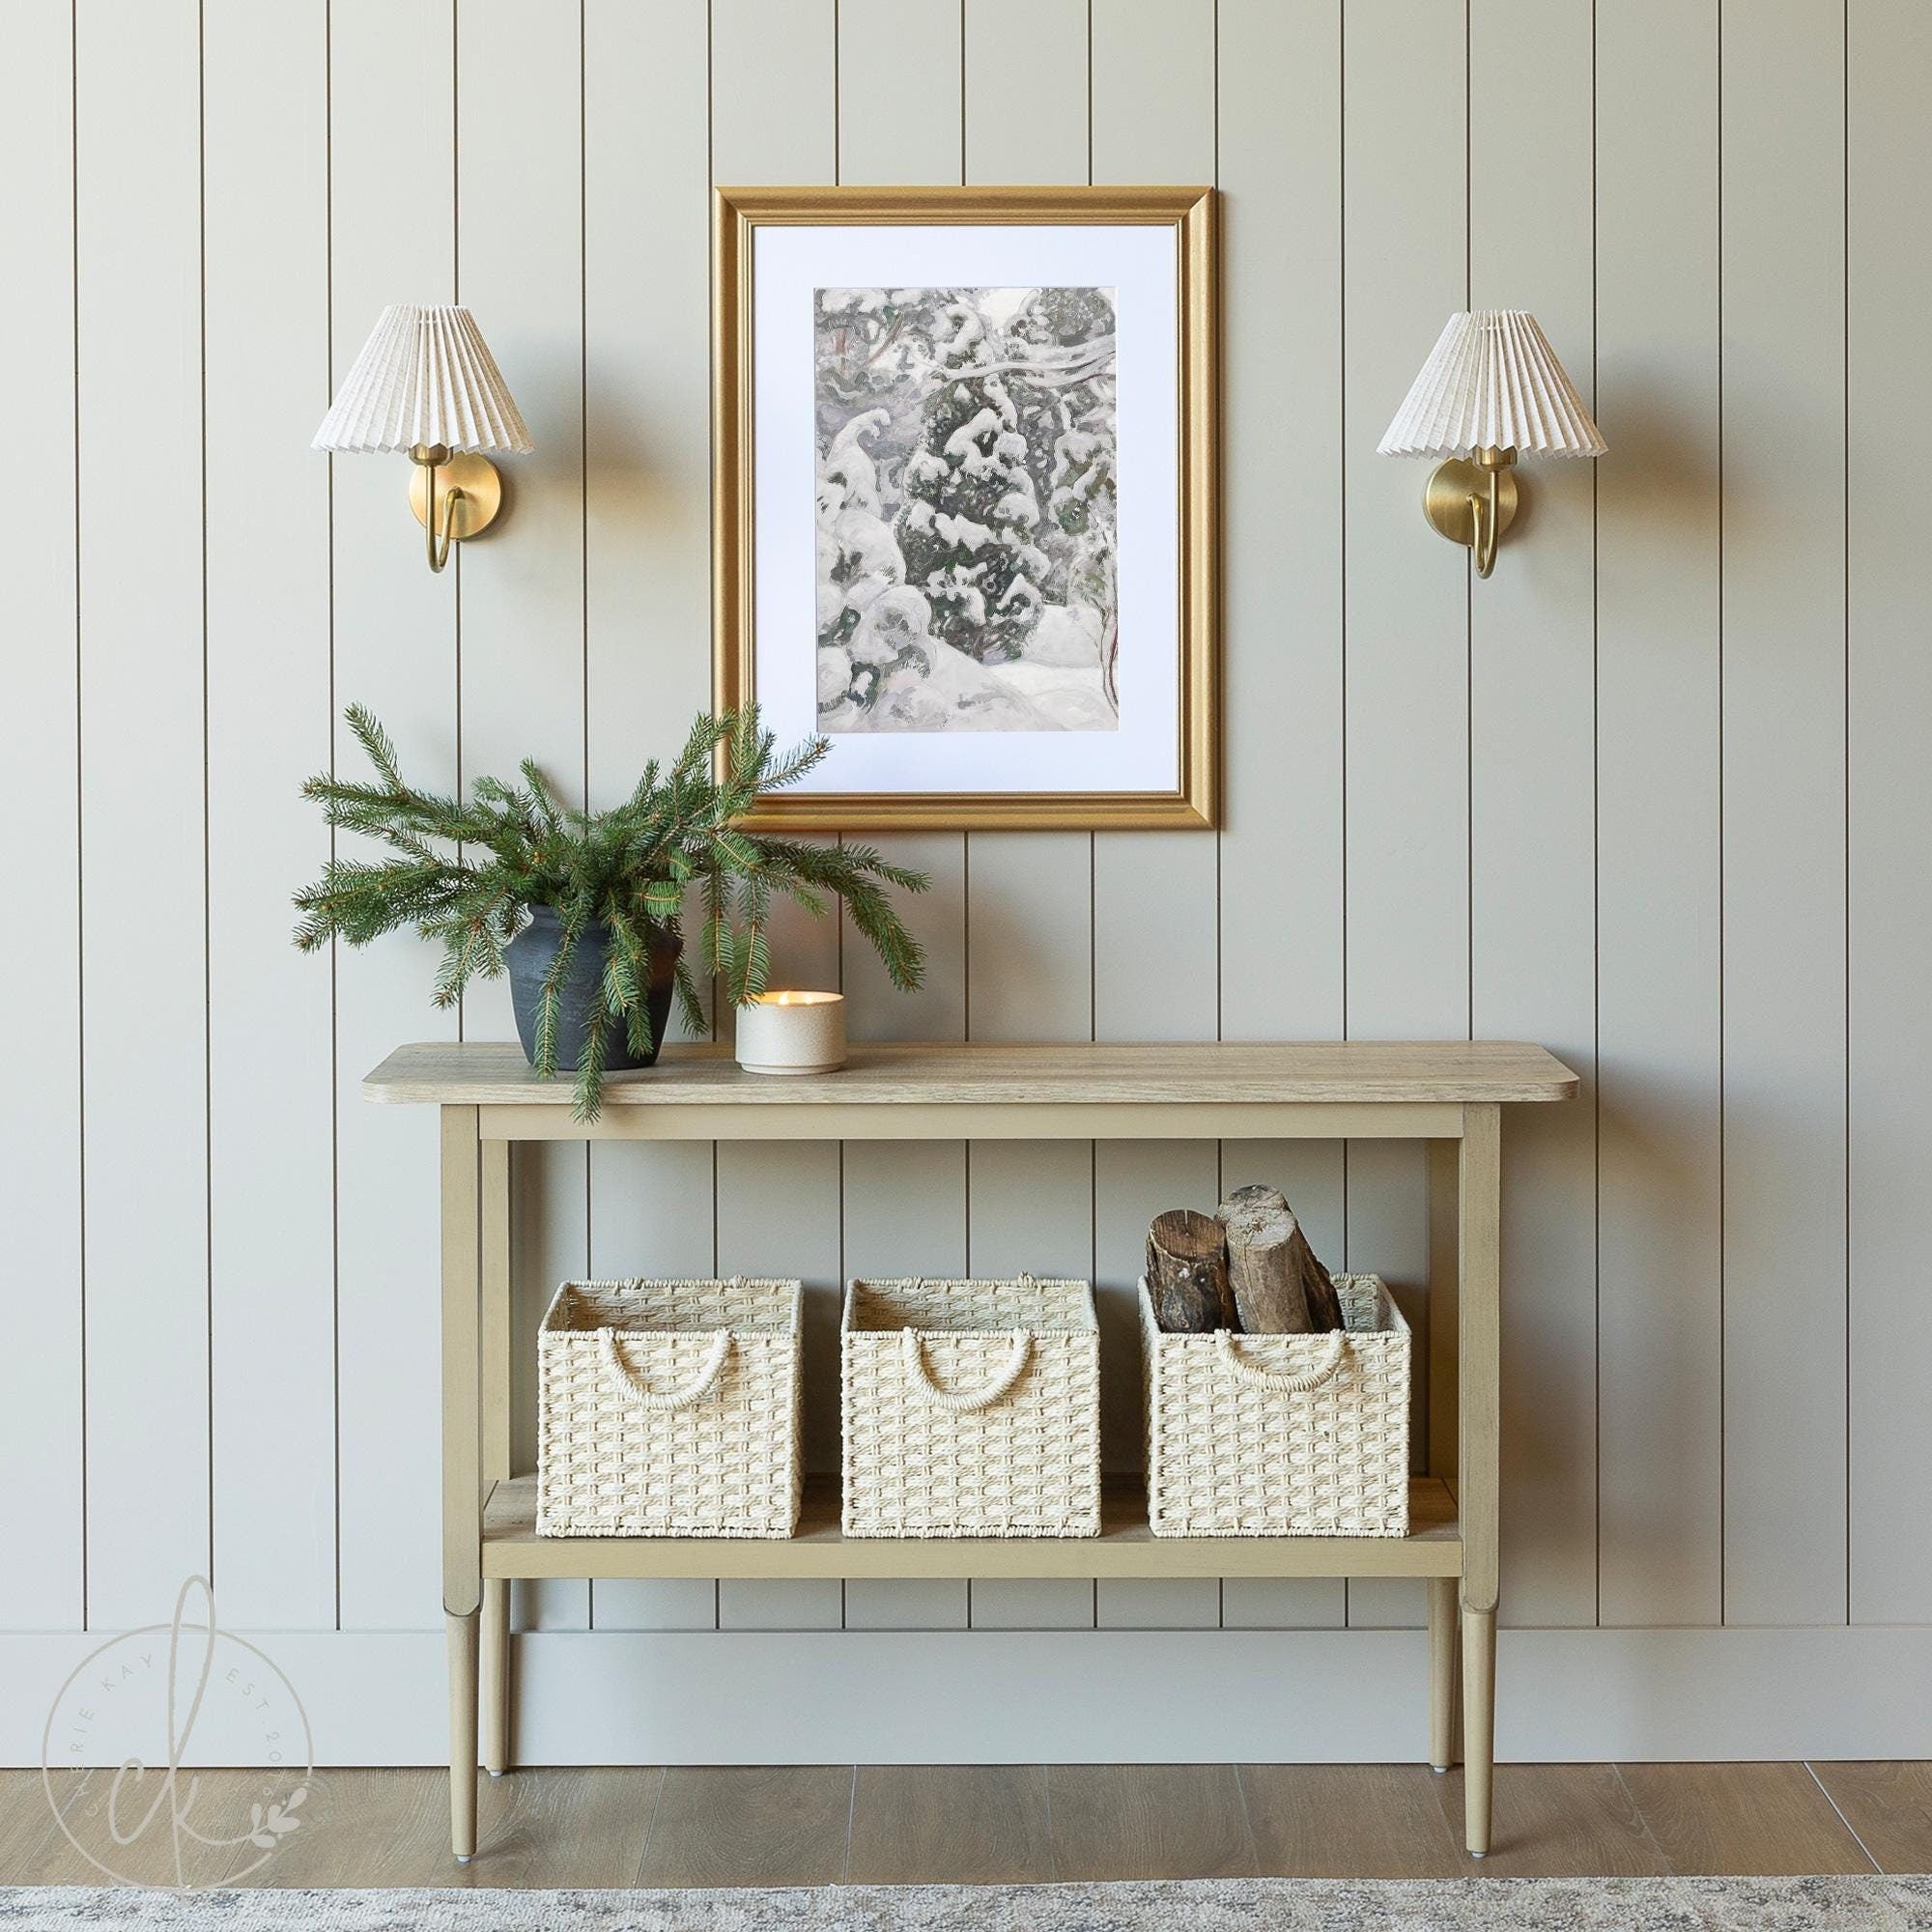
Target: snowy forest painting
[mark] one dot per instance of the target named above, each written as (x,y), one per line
(965,512)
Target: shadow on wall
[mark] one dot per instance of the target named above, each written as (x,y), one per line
(619,465)
(1679,470)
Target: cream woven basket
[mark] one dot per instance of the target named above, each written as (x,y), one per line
(1281,1434)
(668,1408)
(971,1409)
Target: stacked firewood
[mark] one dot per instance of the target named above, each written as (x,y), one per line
(1247,1268)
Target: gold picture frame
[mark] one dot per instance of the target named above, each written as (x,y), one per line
(1191,214)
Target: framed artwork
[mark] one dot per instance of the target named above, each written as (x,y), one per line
(965,520)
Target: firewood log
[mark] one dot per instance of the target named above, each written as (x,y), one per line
(1187,1272)
(1279,1287)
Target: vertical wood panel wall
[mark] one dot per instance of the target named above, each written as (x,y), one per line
(43,1398)
(1655,795)
(1659,1287)
(144,664)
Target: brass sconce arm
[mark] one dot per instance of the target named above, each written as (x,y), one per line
(429,458)
(1485,530)
(453,496)
(1474,502)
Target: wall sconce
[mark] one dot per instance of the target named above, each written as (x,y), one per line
(426,383)
(1491,389)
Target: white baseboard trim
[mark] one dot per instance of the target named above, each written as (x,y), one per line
(1068,1696)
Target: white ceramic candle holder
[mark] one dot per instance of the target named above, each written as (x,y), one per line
(792,1033)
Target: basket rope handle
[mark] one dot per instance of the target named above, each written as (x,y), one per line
(667,1402)
(1272,1379)
(912,1345)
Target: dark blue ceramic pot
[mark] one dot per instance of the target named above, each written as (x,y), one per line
(528,957)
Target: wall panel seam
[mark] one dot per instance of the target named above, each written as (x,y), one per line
(329,738)
(207,868)
(79,806)
(1468,576)
(1217,643)
(583,569)
(1724,1110)
(1342,563)
(1596,880)
(1845,748)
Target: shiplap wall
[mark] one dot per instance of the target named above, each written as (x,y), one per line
(1656,795)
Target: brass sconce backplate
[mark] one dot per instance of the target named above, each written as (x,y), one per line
(1445,497)
(482,488)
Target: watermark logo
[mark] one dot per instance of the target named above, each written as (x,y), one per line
(111,1755)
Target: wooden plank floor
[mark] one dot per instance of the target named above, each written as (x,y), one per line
(938,1824)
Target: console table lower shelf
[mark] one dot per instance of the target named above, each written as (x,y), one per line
(512,1549)
(1125,1548)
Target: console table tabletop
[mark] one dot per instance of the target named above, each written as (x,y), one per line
(1098,1072)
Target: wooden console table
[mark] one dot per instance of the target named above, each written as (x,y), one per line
(1450,1094)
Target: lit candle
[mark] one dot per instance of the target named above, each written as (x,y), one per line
(792,1033)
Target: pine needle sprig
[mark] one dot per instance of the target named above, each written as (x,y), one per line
(467,873)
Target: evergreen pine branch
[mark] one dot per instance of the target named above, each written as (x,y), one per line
(694,761)
(590,1092)
(543,801)
(549,998)
(468,949)
(738,849)
(645,789)
(901,955)
(376,745)
(360,899)
(799,893)
(795,764)
(724,962)
(715,945)
(662,900)
(401,840)
(366,808)
(839,868)
(625,872)
(627,980)
(869,858)
(690,1007)
(753,957)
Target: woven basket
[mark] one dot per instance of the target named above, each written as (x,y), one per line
(971,1409)
(668,1408)
(1281,1434)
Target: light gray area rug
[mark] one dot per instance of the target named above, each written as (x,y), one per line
(1203,1905)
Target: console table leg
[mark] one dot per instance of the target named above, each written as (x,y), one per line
(461,1473)
(494,1431)
(1441,1672)
(1478,1420)
(1479,1725)
(461,1632)
(493,1672)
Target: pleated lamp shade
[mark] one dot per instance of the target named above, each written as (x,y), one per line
(425,376)
(1492,382)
